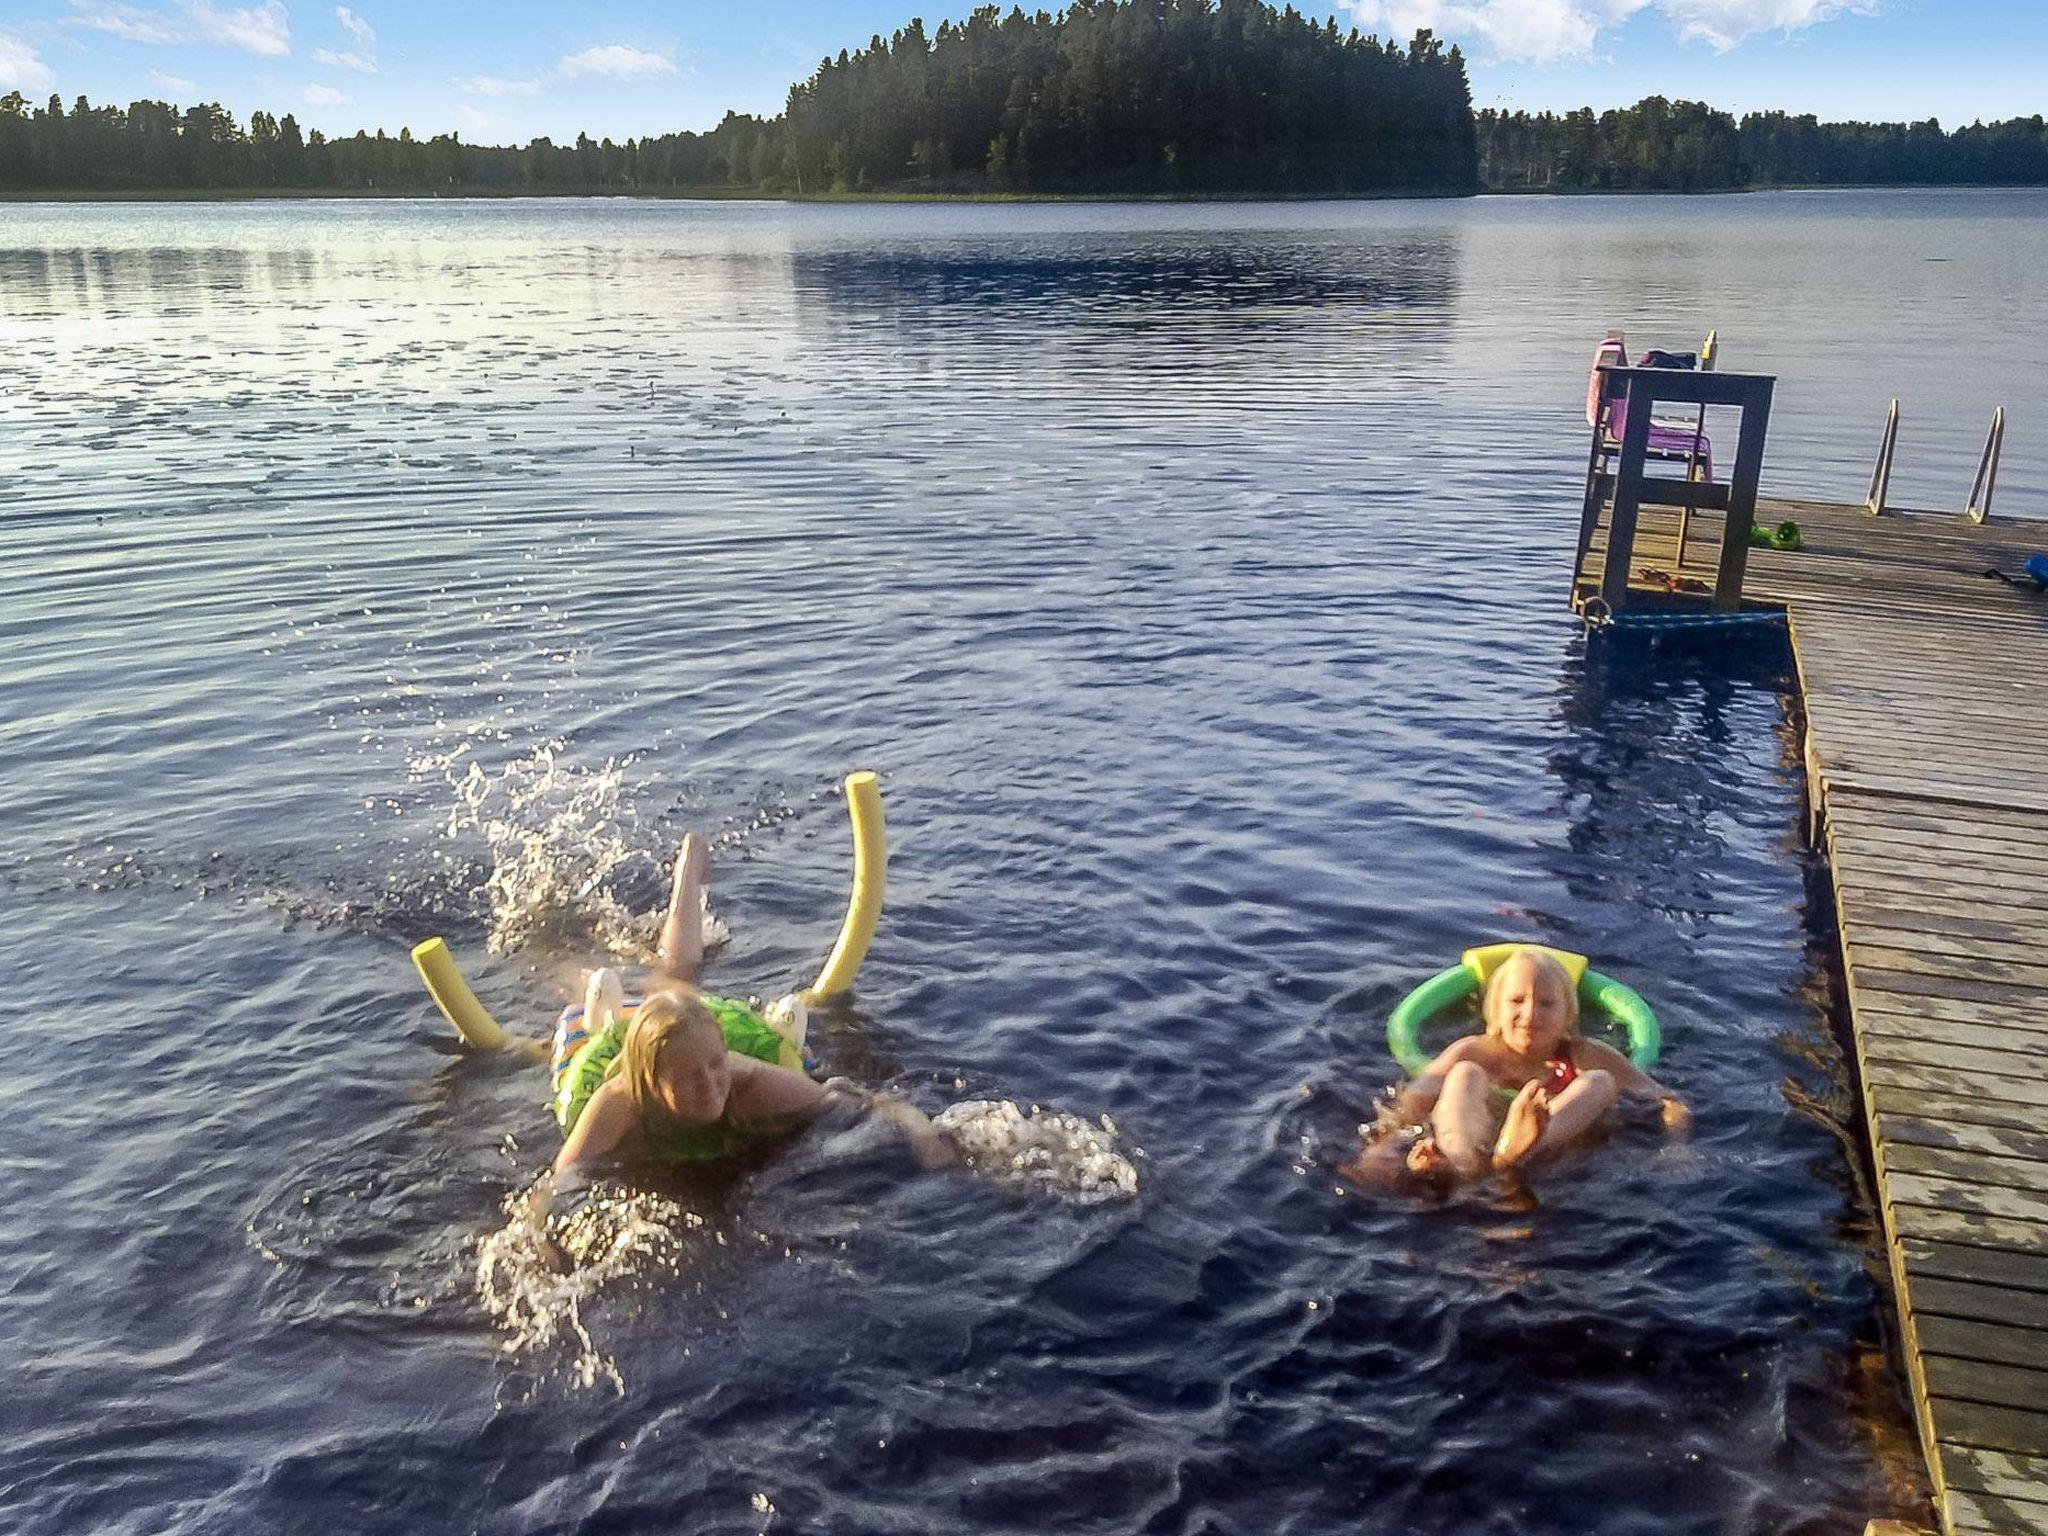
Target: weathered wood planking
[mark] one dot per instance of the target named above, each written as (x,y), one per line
(1925,691)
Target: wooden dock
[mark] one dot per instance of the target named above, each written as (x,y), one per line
(1925,688)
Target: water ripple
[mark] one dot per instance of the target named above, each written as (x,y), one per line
(1193,575)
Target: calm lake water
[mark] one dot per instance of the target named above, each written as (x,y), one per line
(1194,577)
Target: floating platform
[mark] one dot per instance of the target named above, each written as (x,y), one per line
(1925,690)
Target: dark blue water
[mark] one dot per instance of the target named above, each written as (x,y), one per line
(1193,576)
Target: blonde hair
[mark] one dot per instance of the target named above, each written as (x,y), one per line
(1545,966)
(664,1017)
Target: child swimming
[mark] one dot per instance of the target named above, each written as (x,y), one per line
(687,1077)
(1450,1123)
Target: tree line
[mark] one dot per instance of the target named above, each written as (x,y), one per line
(154,146)
(1134,96)
(1687,146)
(1107,96)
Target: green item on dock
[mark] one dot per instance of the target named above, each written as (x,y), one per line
(1784,536)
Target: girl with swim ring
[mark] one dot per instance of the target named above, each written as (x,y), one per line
(684,1076)
(1465,1125)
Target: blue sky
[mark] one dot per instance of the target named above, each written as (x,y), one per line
(510,70)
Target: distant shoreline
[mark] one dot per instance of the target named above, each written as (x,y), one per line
(748,195)
(1767,186)
(687,195)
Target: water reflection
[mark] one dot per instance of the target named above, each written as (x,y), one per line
(1142,278)
(1646,776)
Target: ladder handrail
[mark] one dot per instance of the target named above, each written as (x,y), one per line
(1881,475)
(1978,508)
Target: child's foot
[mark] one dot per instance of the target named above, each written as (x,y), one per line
(681,944)
(692,881)
(604,998)
(1528,1118)
(791,1015)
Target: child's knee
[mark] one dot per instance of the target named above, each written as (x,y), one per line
(1466,1077)
(1600,1086)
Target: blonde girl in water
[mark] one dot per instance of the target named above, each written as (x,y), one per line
(688,1077)
(1463,1124)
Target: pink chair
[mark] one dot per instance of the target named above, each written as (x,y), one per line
(1668,440)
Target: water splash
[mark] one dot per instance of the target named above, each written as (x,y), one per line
(560,854)
(536,1274)
(1047,1148)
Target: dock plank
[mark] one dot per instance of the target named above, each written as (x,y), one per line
(1983,1514)
(1969,1167)
(1987,1381)
(1991,1427)
(2001,1036)
(1993,1472)
(1967,1227)
(1950,1109)
(2026,1349)
(1922,687)
(1907,1131)
(1894,1048)
(2012,1271)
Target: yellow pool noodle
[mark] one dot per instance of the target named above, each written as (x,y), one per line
(864,907)
(452,996)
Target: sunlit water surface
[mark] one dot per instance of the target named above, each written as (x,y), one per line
(1194,578)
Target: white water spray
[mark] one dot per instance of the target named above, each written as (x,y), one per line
(1046,1148)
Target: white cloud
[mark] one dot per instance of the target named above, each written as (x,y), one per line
(325,96)
(1724,23)
(491,85)
(472,119)
(177,85)
(617,60)
(355,27)
(1554,31)
(20,69)
(362,63)
(126,21)
(260,28)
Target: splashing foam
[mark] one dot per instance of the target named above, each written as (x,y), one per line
(557,856)
(1046,1148)
(536,1274)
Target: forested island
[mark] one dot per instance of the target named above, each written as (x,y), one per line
(1104,98)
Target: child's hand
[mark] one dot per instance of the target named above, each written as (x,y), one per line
(535,1208)
(934,1150)
(1528,1118)
(932,1147)
(1677,1118)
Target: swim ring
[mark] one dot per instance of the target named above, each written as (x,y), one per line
(1599,995)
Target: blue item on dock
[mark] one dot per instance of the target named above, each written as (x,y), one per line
(2036,574)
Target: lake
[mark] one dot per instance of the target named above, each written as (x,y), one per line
(1194,576)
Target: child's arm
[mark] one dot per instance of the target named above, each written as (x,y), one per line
(763,1091)
(602,1126)
(1635,1083)
(1418,1098)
